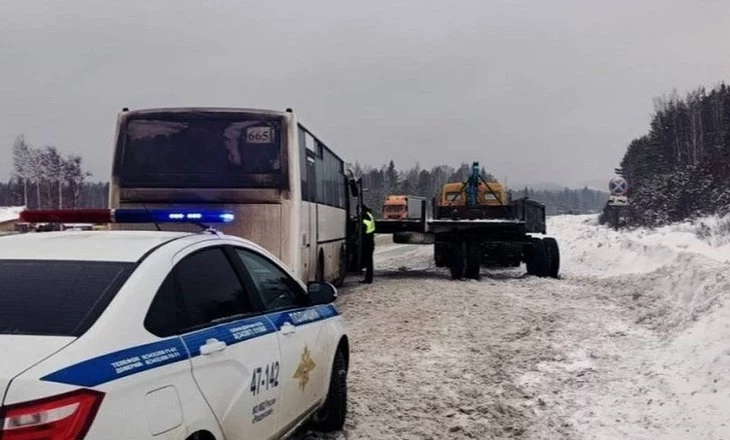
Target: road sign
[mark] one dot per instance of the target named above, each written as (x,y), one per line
(618,186)
(618,201)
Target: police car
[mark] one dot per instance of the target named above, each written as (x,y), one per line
(161,335)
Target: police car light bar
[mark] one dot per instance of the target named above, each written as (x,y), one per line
(126,215)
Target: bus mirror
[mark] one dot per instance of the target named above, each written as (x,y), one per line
(321,293)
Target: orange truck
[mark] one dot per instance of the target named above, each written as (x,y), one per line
(402,207)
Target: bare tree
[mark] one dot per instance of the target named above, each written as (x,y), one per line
(37,172)
(47,168)
(55,172)
(22,165)
(75,175)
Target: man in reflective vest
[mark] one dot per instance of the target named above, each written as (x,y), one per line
(368,243)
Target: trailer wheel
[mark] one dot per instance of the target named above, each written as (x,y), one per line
(530,258)
(537,259)
(553,256)
(473,260)
(456,260)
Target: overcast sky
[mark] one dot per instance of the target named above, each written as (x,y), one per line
(536,90)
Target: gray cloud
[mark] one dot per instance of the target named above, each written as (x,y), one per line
(535,90)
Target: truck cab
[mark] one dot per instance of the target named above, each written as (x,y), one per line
(405,207)
(395,208)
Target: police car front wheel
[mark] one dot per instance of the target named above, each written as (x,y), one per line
(332,415)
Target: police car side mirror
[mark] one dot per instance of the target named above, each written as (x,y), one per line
(321,293)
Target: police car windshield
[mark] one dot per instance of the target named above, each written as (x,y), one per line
(56,298)
(191,150)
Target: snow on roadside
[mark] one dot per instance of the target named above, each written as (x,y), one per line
(8,213)
(630,344)
(669,277)
(695,367)
(598,251)
(670,383)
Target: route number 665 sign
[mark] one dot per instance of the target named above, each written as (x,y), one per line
(259,135)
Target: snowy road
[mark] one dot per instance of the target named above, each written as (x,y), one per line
(630,344)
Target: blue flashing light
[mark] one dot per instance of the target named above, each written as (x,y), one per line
(126,215)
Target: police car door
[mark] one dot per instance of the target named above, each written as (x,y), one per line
(303,341)
(234,353)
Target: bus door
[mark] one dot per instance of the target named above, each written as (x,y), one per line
(309,251)
(354,225)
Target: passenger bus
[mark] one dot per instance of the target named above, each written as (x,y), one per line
(290,193)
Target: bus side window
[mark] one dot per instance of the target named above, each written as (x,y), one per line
(303,164)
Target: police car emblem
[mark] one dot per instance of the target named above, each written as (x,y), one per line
(306,365)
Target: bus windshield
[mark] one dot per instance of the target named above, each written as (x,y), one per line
(180,150)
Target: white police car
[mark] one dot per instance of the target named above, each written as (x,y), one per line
(160,335)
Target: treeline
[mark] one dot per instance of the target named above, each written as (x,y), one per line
(378,182)
(567,201)
(43,178)
(681,167)
(91,195)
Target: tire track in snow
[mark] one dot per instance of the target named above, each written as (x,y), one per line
(589,356)
(434,358)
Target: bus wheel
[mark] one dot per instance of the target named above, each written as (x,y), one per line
(320,268)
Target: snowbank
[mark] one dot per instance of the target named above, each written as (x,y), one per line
(670,276)
(675,282)
(593,250)
(631,344)
(695,366)
(8,213)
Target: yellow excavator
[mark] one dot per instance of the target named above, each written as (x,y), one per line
(488,194)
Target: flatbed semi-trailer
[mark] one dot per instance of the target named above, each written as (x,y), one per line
(467,236)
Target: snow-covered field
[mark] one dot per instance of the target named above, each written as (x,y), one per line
(632,343)
(8,213)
